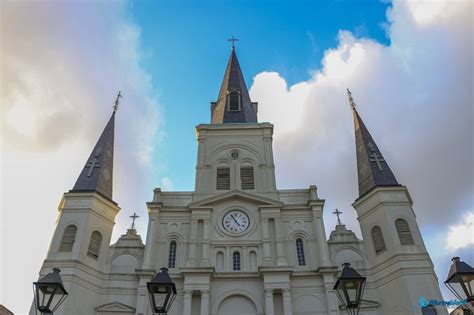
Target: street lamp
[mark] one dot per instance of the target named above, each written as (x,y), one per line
(162,292)
(461,280)
(350,288)
(49,292)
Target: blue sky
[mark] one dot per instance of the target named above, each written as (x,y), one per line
(186,51)
(408,63)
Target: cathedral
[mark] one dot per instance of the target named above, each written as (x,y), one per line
(237,245)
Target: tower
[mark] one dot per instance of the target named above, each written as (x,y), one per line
(80,244)
(237,244)
(401,266)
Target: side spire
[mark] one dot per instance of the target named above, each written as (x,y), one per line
(97,174)
(372,168)
(233,103)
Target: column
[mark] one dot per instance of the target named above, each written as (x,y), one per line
(192,244)
(331,299)
(287,307)
(204,302)
(281,258)
(269,302)
(142,299)
(267,258)
(187,302)
(205,244)
(321,235)
(150,237)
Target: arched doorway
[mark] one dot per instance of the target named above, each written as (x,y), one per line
(237,304)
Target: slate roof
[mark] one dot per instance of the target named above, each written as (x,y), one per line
(100,177)
(372,168)
(233,80)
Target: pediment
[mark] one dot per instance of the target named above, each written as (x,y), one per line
(115,307)
(236,194)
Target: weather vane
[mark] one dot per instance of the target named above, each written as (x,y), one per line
(119,96)
(351,100)
(233,40)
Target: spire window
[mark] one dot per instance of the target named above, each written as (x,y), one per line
(69,237)
(233,101)
(404,233)
(94,245)
(377,238)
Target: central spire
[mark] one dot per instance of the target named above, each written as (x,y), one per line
(233,103)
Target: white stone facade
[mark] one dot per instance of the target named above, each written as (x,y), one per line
(273,279)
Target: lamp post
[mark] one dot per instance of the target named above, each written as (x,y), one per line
(49,292)
(350,288)
(162,292)
(460,281)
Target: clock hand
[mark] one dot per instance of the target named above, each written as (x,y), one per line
(232,216)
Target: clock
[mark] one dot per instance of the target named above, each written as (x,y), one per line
(235,221)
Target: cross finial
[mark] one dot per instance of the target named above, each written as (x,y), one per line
(351,100)
(337,212)
(134,216)
(119,96)
(233,40)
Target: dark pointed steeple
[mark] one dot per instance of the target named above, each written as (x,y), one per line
(372,168)
(97,174)
(233,104)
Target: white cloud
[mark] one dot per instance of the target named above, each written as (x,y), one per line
(461,235)
(62,65)
(166,183)
(415,97)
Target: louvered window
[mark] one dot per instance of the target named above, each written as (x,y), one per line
(172,255)
(94,245)
(377,238)
(236,261)
(68,239)
(234,101)
(403,231)
(246,177)
(300,252)
(223,178)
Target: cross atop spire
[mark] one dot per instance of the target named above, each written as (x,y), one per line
(119,96)
(351,100)
(372,168)
(233,40)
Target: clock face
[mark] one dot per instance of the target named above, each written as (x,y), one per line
(235,221)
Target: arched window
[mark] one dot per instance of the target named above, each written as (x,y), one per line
(68,238)
(377,238)
(246,176)
(300,252)
(172,255)
(233,101)
(94,245)
(236,261)
(403,231)
(223,177)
